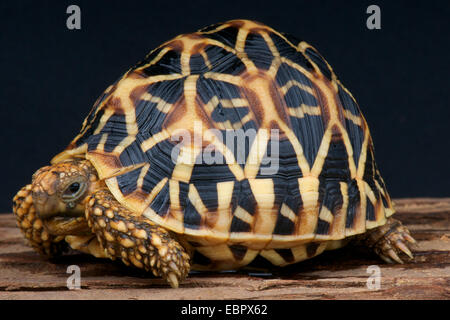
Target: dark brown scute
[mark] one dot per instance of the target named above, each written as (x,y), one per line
(286,254)
(311,249)
(238,251)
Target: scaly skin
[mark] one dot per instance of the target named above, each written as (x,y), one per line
(32,226)
(136,240)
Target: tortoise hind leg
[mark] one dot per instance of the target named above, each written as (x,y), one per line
(389,241)
(135,239)
(32,226)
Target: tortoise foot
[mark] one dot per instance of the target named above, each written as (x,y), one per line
(136,240)
(390,241)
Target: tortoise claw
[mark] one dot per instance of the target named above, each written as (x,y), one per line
(172,280)
(394,256)
(391,240)
(386,259)
(400,245)
(408,238)
(395,242)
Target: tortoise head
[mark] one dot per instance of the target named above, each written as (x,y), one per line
(60,192)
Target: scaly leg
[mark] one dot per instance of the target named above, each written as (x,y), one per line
(135,239)
(32,227)
(389,241)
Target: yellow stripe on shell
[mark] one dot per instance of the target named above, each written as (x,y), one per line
(355,119)
(337,228)
(256,154)
(101,143)
(196,200)
(162,105)
(185,163)
(363,156)
(155,139)
(294,83)
(300,253)
(263,190)
(155,59)
(230,160)
(174,193)
(239,46)
(155,191)
(322,153)
(228,103)
(234,103)
(379,188)
(236,80)
(302,46)
(100,160)
(288,213)
(70,154)
(298,67)
(276,61)
(273,257)
(133,206)
(217,253)
(209,109)
(242,214)
(326,215)
(359,219)
(300,111)
(309,189)
(247,118)
(224,214)
(273,69)
(144,170)
(370,193)
(103,120)
(349,149)
(206,59)
(225,194)
(85,126)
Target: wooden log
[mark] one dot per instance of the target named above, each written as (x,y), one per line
(339,274)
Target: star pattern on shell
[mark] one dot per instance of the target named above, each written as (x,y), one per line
(238,75)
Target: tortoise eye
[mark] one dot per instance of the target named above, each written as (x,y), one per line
(74,191)
(74,187)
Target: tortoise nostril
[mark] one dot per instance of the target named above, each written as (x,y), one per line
(38,193)
(42,202)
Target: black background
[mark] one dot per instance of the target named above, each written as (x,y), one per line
(51,76)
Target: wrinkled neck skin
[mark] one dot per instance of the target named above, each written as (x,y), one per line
(60,193)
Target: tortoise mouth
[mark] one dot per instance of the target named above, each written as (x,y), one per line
(66,225)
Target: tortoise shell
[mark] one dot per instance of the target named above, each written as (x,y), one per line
(238,75)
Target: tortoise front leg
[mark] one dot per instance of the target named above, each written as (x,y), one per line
(389,241)
(136,240)
(32,226)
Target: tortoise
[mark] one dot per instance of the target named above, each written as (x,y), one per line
(223,148)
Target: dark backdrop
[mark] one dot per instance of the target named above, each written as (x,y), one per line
(51,76)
